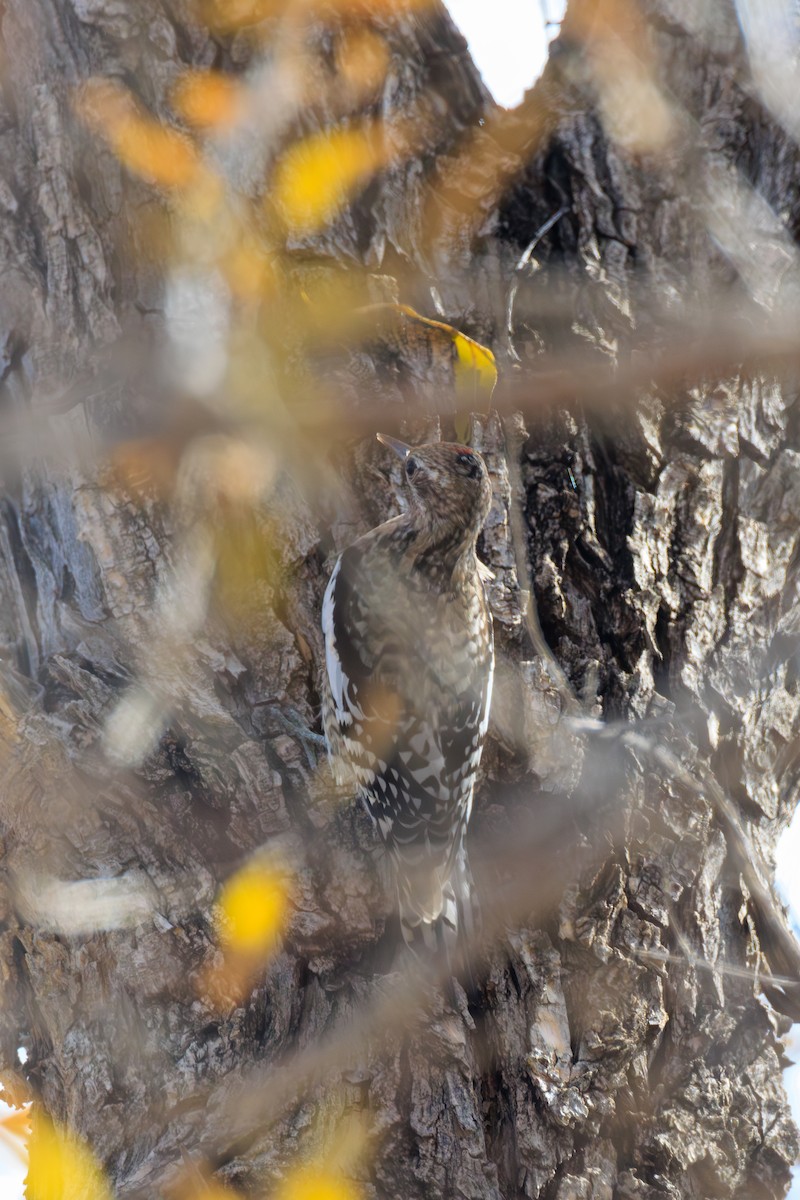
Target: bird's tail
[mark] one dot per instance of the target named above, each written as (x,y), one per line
(440,917)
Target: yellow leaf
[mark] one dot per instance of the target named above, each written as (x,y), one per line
(251,911)
(476,371)
(253,907)
(316,1183)
(208,99)
(60,1167)
(141,143)
(475,368)
(315,177)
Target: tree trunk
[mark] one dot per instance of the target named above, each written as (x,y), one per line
(621,1044)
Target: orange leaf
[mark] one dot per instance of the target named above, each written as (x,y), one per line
(142,144)
(17,1122)
(208,99)
(248,270)
(368,8)
(362,58)
(226,16)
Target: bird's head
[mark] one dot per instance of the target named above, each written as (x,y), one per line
(448,484)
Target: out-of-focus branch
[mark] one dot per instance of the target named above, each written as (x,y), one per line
(244,1109)
(666,365)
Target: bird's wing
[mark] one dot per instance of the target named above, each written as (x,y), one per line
(364,701)
(413,746)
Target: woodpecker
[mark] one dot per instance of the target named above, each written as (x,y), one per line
(410,657)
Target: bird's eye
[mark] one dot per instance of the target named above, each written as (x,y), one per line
(411,466)
(469,465)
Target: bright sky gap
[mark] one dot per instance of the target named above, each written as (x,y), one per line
(509,41)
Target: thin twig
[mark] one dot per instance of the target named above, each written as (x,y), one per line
(525,258)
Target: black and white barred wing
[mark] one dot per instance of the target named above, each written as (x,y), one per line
(406,713)
(361,708)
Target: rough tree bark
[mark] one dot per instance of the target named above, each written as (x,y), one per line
(663,560)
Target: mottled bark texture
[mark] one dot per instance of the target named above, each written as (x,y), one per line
(663,557)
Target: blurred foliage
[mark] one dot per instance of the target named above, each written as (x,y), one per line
(60,1166)
(251,914)
(315,1183)
(281,347)
(252,910)
(208,99)
(262,333)
(15,1129)
(316,177)
(330,1173)
(151,148)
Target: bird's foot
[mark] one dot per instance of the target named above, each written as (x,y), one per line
(292,722)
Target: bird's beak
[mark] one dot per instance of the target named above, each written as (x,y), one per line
(400,448)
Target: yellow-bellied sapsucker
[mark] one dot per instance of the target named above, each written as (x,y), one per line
(410,659)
